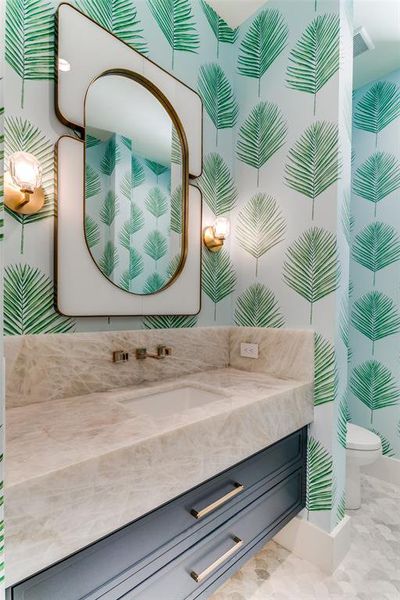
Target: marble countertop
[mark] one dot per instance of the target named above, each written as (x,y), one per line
(78,468)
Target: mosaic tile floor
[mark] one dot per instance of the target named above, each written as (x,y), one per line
(370,571)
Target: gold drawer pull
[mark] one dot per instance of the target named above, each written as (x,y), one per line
(199,577)
(198,514)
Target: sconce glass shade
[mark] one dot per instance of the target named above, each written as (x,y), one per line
(215,235)
(222,228)
(25,171)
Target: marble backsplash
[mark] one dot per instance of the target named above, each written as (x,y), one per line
(50,367)
(279,354)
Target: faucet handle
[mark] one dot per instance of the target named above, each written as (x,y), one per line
(163,350)
(141,353)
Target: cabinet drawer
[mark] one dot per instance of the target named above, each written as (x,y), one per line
(207,561)
(138,550)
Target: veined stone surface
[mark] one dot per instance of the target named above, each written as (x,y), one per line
(49,367)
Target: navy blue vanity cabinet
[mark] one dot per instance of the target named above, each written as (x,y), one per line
(186,548)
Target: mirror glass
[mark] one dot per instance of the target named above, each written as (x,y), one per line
(134,182)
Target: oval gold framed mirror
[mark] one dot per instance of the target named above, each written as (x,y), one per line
(136,183)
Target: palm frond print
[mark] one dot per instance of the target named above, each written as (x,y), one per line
(311,268)
(378,107)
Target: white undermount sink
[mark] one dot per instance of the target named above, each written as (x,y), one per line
(164,403)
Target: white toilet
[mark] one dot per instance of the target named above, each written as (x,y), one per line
(363,447)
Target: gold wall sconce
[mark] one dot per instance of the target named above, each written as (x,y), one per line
(215,235)
(22,184)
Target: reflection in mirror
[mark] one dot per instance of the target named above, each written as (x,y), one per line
(134,204)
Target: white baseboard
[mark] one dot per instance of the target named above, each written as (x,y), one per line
(385,468)
(323,549)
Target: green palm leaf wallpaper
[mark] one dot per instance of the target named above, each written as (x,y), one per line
(92,232)
(344,321)
(132,179)
(376,247)
(125,186)
(261,135)
(218,277)
(342,423)
(156,167)
(263,42)
(176,220)
(175,19)
(134,224)
(173,265)
(176,149)
(315,58)
(156,202)
(92,182)
(341,507)
(109,259)
(376,316)
(374,267)
(136,266)
(223,33)
(155,245)
(137,172)
(325,371)
(109,209)
(119,17)
(127,142)
(387,449)
(29,29)
(377,108)
(258,307)
(144,204)
(217,185)
(111,157)
(260,226)
(311,267)
(91,141)
(347,219)
(29,303)
(319,494)
(154,282)
(313,163)
(377,177)
(184,34)
(374,385)
(218,97)
(170,322)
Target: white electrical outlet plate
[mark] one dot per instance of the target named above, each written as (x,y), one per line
(248,350)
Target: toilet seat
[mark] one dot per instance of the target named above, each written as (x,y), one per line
(361,439)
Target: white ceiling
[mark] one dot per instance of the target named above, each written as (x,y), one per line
(381,19)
